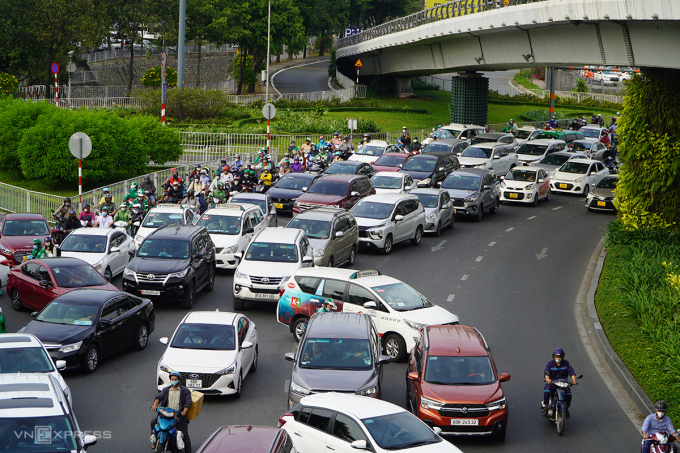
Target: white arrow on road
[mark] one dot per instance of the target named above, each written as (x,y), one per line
(542,254)
(438,246)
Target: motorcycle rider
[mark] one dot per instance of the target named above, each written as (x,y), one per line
(150,189)
(237,163)
(605,138)
(266,165)
(307,147)
(196,185)
(177,397)
(321,144)
(123,215)
(612,131)
(250,181)
(72,222)
(553,123)
(132,193)
(296,167)
(260,156)
(600,120)
(226,176)
(37,252)
(50,248)
(104,220)
(86,215)
(237,186)
(575,125)
(62,211)
(557,368)
(105,193)
(266,178)
(204,178)
(367,139)
(174,194)
(197,170)
(285,169)
(191,199)
(510,127)
(292,149)
(108,204)
(174,178)
(141,200)
(655,423)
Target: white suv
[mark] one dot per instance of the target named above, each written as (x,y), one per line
(163,215)
(453,130)
(263,270)
(387,219)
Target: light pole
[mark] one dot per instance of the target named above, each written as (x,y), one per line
(269,27)
(180,43)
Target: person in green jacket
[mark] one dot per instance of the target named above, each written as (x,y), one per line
(38,251)
(132,194)
(219,193)
(123,215)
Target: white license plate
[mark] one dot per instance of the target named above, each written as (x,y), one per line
(462,421)
(266,296)
(194,383)
(148,292)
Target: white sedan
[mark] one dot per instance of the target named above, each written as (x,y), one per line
(495,156)
(213,351)
(392,182)
(577,176)
(358,424)
(106,249)
(370,152)
(526,185)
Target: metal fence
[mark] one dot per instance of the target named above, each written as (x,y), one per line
(16,199)
(103,55)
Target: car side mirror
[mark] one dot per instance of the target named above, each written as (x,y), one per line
(446,206)
(359,445)
(163,340)
(339,234)
(398,218)
(131,253)
(104,322)
(487,187)
(354,194)
(198,256)
(413,376)
(246,345)
(289,356)
(441,168)
(401,165)
(45,283)
(307,260)
(115,249)
(34,314)
(249,230)
(89,440)
(541,180)
(505,377)
(370,305)
(501,178)
(383,359)
(496,157)
(60,364)
(304,189)
(438,185)
(437,430)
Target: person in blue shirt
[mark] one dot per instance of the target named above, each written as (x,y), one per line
(321,144)
(553,123)
(557,368)
(238,163)
(655,423)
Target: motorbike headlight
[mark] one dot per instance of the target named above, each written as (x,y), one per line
(231,369)
(319,253)
(300,390)
(529,187)
(370,391)
(241,276)
(71,347)
(415,325)
(430,216)
(427,403)
(129,273)
(0,311)
(471,200)
(496,405)
(163,367)
(231,249)
(4,249)
(179,274)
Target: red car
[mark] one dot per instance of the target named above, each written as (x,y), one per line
(337,190)
(248,439)
(34,283)
(17,231)
(391,161)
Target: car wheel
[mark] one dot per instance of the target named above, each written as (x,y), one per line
(189,295)
(438,230)
(547,197)
(494,209)
(239,304)
(387,248)
(535,203)
(299,328)
(330,262)
(108,275)
(253,367)
(91,359)
(418,237)
(16,300)
(142,338)
(480,213)
(237,395)
(395,347)
(586,190)
(211,280)
(452,223)
(352,257)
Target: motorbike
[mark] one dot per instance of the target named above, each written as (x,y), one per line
(610,163)
(318,165)
(165,435)
(136,217)
(121,225)
(59,232)
(557,406)
(660,442)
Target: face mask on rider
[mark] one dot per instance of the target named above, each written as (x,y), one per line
(35,247)
(558,360)
(660,414)
(174,383)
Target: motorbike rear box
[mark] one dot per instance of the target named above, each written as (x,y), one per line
(196,404)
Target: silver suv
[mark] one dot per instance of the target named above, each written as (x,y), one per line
(387,219)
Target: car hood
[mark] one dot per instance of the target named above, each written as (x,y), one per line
(546,167)
(472,160)
(517,185)
(418,175)
(318,244)
(18,243)
(377,191)
(224,240)
(145,231)
(529,157)
(459,193)
(590,139)
(430,316)
(286,194)
(321,198)
(463,394)
(57,333)
(198,360)
(366,222)
(382,168)
(90,258)
(268,269)
(429,211)
(334,380)
(602,193)
(157,265)
(568,176)
(362,158)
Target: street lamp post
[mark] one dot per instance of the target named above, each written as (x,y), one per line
(269,27)
(180,43)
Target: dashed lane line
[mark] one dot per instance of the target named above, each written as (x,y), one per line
(555,209)
(479,258)
(450,298)
(509,229)
(465,277)
(491,244)
(532,217)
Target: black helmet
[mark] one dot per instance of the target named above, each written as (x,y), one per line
(190,193)
(67,200)
(559,352)
(147,178)
(661,406)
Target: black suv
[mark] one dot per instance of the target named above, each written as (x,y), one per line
(428,169)
(173,263)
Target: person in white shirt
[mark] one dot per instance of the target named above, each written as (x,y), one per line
(103,220)
(226,177)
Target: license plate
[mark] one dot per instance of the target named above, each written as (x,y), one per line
(463,421)
(148,292)
(194,383)
(563,186)
(266,296)
(278,205)
(513,195)
(601,203)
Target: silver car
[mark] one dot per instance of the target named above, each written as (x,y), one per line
(263,200)
(438,209)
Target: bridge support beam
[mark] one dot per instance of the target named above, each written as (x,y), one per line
(403,86)
(469,98)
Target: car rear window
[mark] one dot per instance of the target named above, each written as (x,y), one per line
(390,161)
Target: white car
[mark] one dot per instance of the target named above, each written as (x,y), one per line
(371,151)
(392,182)
(577,176)
(14,351)
(535,150)
(272,257)
(593,132)
(106,249)
(162,215)
(212,350)
(494,156)
(526,185)
(606,78)
(526,133)
(359,424)
(438,209)
(453,130)
(231,227)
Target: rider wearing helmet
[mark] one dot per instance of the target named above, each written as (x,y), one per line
(50,248)
(72,222)
(150,189)
(141,200)
(367,139)
(557,368)
(62,211)
(105,193)
(123,215)
(191,199)
(180,401)
(104,220)
(266,177)
(237,163)
(219,192)
(174,193)
(132,193)
(86,215)
(197,170)
(38,251)
(658,422)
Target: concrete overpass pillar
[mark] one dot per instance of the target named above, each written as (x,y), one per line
(469,98)
(403,86)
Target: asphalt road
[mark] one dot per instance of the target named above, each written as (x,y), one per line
(303,79)
(522,305)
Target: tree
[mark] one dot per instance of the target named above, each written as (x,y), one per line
(327,18)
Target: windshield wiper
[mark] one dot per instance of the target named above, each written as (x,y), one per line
(419,443)
(439,382)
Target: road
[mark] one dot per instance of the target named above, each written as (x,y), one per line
(303,79)
(487,273)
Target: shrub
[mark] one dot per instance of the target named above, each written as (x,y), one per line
(581,86)
(332,65)
(418,84)
(8,84)
(384,85)
(152,77)
(309,122)
(531,99)
(542,115)
(161,144)
(192,103)
(16,117)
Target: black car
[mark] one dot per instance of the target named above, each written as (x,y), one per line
(287,190)
(173,263)
(428,169)
(447,145)
(85,325)
(351,168)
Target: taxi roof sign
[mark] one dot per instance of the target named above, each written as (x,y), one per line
(369,273)
(230,206)
(358,64)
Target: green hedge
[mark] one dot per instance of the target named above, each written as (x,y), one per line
(16,117)
(530,99)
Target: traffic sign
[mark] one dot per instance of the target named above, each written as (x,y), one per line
(358,64)
(80,143)
(268,111)
(55,68)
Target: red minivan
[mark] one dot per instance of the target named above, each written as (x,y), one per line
(338,190)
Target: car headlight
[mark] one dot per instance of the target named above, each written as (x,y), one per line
(578,180)
(424,182)
(297,204)
(427,403)
(502,183)
(529,187)
(415,325)
(319,253)
(4,249)
(284,281)
(480,166)
(334,205)
(496,405)
(231,249)
(139,238)
(471,200)
(228,370)
(129,272)
(163,367)
(241,276)
(368,391)
(179,274)
(97,266)
(430,216)
(375,234)
(71,347)
(300,390)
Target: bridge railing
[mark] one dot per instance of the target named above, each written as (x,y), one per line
(445,11)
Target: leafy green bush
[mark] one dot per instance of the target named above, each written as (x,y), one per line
(161,144)
(8,84)
(152,77)
(542,115)
(383,85)
(332,65)
(581,86)
(191,103)
(308,122)
(531,99)
(418,84)
(16,117)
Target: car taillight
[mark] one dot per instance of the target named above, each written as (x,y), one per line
(282,421)
(5,262)
(281,291)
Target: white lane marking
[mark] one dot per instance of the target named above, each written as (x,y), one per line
(450,298)
(542,255)
(285,386)
(438,246)
(509,229)
(465,277)
(555,209)
(491,244)
(479,258)
(532,217)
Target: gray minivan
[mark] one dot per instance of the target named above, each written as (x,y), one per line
(340,352)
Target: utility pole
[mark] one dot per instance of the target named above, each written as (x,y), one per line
(180,43)
(269,27)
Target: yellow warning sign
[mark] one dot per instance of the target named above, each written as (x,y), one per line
(358,64)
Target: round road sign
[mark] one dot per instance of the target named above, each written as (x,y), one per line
(80,143)
(268,111)
(55,68)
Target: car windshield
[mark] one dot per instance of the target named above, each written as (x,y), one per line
(546,136)
(590,133)
(574,167)
(329,188)
(221,224)
(370,150)
(479,153)
(340,167)
(164,248)
(461,182)
(158,219)
(25,360)
(402,297)
(479,139)
(447,370)
(400,431)
(372,209)
(523,134)
(607,183)
(445,133)
(83,243)
(390,161)
(336,354)
(415,164)
(38,434)
(64,312)
(260,202)
(386,182)
(77,276)
(315,229)
(579,146)
(269,251)
(532,149)
(521,175)
(554,159)
(428,200)
(292,182)
(216,337)
(435,146)
(25,228)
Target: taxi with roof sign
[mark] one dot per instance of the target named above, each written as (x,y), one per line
(162,215)
(231,228)
(397,310)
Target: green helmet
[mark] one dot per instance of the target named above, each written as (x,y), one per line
(133,186)
(220,184)
(140,193)
(36,242)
